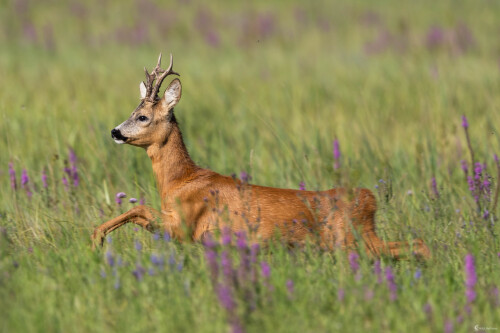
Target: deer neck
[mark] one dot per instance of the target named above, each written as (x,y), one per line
(171,162)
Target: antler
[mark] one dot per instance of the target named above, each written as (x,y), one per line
(152,90)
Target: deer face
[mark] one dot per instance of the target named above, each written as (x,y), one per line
(151,121)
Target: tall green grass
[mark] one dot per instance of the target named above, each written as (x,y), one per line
(267,87)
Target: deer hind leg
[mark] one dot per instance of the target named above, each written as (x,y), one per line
(398,250)
(140,215)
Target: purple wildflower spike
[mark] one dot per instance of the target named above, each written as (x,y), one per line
(289,287)
(73,170)
(211,258)
(265,269)
(391,284)
(65,183)
(470,278)
(336,154)
(302,186)
(44,179)
(353,262)
(139,272)
(226,236)
(254,251)
(12,174)
(226,297)
(110,259)
(24,178)
(434,187)
(227,265)
(465,123)
(132,200)
(241,240)
(465,167)
(25,182)
(245,177)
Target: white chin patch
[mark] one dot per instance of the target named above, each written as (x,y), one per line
(120,142)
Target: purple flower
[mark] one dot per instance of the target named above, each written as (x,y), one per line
(226,298)
(24,178)
(448,326)
(156,260)
(110,258)
(156,236)
(119,196)
(211,258)
(434,187)
(465,123)
(226,236)
(391,284)
(103,274)
(435,37)
(254,251)
(464,166)
(245,177)
(12,174)
(227,265)
(25,182)
(265,269)
(138,272)
(142,201)
(241,240)
(470,278)
(336,154)
(302,186)
(495,157)
(171,260)
(166,236)
(289,287)
(418,274)
(132,200)
(353,262)
(65,183)
(44,179)
(138,245)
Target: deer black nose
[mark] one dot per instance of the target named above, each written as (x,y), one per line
(116,134)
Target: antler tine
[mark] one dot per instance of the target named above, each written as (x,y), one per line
(159,79)
(149,82)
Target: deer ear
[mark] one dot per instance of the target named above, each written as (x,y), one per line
(142,88)
(172,94)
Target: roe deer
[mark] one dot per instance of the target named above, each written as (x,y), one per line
(196,201)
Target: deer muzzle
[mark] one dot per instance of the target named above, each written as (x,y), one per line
(117,136)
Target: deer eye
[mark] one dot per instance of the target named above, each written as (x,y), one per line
(142,118)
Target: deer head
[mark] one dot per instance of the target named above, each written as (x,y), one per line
(152,121)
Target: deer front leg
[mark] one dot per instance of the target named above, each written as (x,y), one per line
(140,215)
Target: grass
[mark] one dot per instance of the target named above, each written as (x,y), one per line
(267,87)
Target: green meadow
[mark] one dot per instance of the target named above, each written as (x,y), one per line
(410,89)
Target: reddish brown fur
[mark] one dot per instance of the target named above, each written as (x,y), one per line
(197,202)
